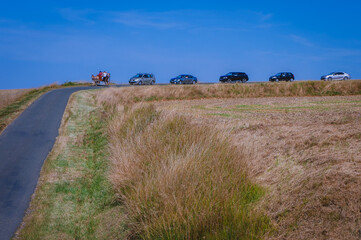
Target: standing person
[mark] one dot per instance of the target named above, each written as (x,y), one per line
(108,78)
(104,75)
(100,75)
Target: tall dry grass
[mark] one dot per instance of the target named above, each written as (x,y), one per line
(7,97)
(306,153)
(180,180)
(292,89)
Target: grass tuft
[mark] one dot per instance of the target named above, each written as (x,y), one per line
(180,180)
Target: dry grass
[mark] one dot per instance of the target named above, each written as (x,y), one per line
(180,180)
(9,96)
(183,92)
(304,150)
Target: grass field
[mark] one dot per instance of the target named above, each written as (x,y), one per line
(305,151)
(139,165)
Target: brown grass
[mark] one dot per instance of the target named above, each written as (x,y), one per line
(9,96)
(304,150)
(184,92)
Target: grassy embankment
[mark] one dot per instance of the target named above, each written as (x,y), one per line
(169,176)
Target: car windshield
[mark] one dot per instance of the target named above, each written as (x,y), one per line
(278,74)
(230,74)
(181,76)
(331,73)
(138,75)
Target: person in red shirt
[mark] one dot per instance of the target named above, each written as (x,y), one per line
(100,75)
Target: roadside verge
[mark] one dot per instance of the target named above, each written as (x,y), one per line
(73,196)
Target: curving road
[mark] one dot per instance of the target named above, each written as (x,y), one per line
(24,145)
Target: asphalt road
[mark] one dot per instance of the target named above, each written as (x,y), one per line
(24,145)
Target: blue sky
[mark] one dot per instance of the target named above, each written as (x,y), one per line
(42,42)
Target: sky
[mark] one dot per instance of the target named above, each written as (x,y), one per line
(42,42)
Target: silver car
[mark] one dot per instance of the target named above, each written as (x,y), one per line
(142,78)
(336,76)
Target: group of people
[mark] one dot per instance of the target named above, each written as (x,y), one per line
(103,75)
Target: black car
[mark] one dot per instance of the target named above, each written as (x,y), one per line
(282,76)
(234,77)
(184,79)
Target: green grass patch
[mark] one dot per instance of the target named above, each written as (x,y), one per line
(74,196)
(221,114)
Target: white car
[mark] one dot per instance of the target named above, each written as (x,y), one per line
(336,76)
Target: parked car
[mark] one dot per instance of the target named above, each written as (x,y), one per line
(282,76)
(184,79)
(234,77)
(142,78)
(336,76)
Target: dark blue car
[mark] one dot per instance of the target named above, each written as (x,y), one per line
(184,79)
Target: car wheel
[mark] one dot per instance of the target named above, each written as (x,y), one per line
(244,80)
(292,79)
(329,79)
(345,78)
(194,82)
(151,82)
(140,83)
(229,81)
